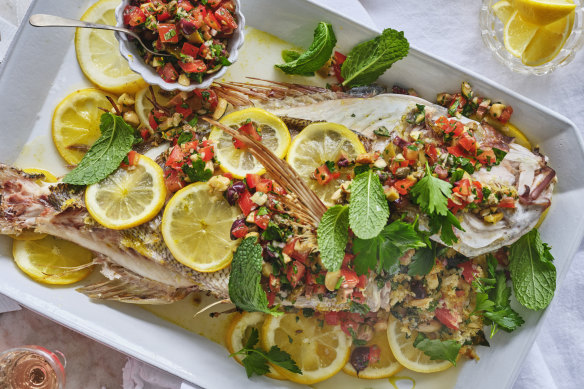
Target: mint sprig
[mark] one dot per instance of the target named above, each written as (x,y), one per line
(332,236)
(368,208)
(106,154)
(436,349)
(317,54)
(532,272)
(245,290)
(367,61)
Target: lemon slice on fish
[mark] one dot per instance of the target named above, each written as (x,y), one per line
(129,196)
(317,144)
(50,260)
(319,351)
(239,332)
(410,357)
(196,227)
(76,122)
(385,367)
(99,55)
(143,106)
(274,133)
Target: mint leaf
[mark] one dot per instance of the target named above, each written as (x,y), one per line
(317,54)
(422,262)
(106,154)
(368,209)
(445,350)
(245,290)
(532,272)
(384,251)
(332,236)
(367,61)
(197,172)
(431,194)
(293,55)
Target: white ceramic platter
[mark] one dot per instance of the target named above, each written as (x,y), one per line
(41,69)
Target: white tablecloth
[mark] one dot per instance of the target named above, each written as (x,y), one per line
(449,29)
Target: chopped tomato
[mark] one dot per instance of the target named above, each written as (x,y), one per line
(240,231)
(507,202)
(199,15)
(144,133)
(446,317)
(245,203)
(338,60)
(239,144)
(167,33)
(469,272)
(332,318)
(185,112)
(250,130)
(290,250)
(374,354)
(271,297)
(462,187)
(506,114)
(197,66)
(262,221)
(206,153)
(274,283)
(229,5)
(207,96)
(133,16)
(289,247)
(192,145)
(213,3)
(152,121)
(175,158)
(295,272)
(252,180)
(228,175)
(168,73)
(403,186)
(189,49)
(173,181)
(396,165)
(212,22)
(347,259)
(185,4)
(278,189)
(468,142)
(350,279)
(133,158)
(349,326)
(362,281)
(164,15)
(225,18)
(431,152)
(264,185)
(323,175)
(457,151)
(487,156)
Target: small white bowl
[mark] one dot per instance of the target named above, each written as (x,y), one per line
(137,64)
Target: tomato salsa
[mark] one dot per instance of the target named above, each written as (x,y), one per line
(195,32)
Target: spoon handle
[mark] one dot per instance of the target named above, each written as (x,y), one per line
(42,20)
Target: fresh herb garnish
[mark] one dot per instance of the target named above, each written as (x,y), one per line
(223,61)
(423,261)
(381,131)
(356,307)
(106,154)
(317,54)
(444,225)
(368,208)
(197,172)
(499,154)
(356,340)
(184,137)
(332,236)
(256,360)
(431,194)
(245,290)
(445,350)
(272,232)
(532,272)
(384,250)
(367,61)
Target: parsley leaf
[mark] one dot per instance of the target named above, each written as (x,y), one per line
(184,137)
(431,194)
(384,251)
(368,208)
(444,224)
(245,290)
(197,172)
(532,272)
(382,131)
(367,61)
(106,154)
(446,350)
(317,54)
(332,236)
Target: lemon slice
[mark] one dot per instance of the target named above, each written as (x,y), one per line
(196,226)
(76,123)
(547,42)
(143,106)
(239,332)
(503,10)
(517,34)
(318,143)
(543,12)
(98,52)
(50,260)
(320,352)
(129,196)
(275,136)
(387,365)
(410,357)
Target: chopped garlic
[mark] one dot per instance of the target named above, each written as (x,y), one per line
(259,198)
(219,183)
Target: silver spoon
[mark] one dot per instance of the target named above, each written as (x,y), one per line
(42,20)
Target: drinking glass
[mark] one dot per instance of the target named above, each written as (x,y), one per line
(32,367)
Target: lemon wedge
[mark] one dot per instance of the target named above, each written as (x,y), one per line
(75,125)
(543,12)
(547,42)
(318,143)
(517,34)
(239,332)
(274,133)
(319,351)
(98,52)
(50,260)
(503,10)
(129,196)
(406,354)
(196,228)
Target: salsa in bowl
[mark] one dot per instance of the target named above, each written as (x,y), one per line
(199,40)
